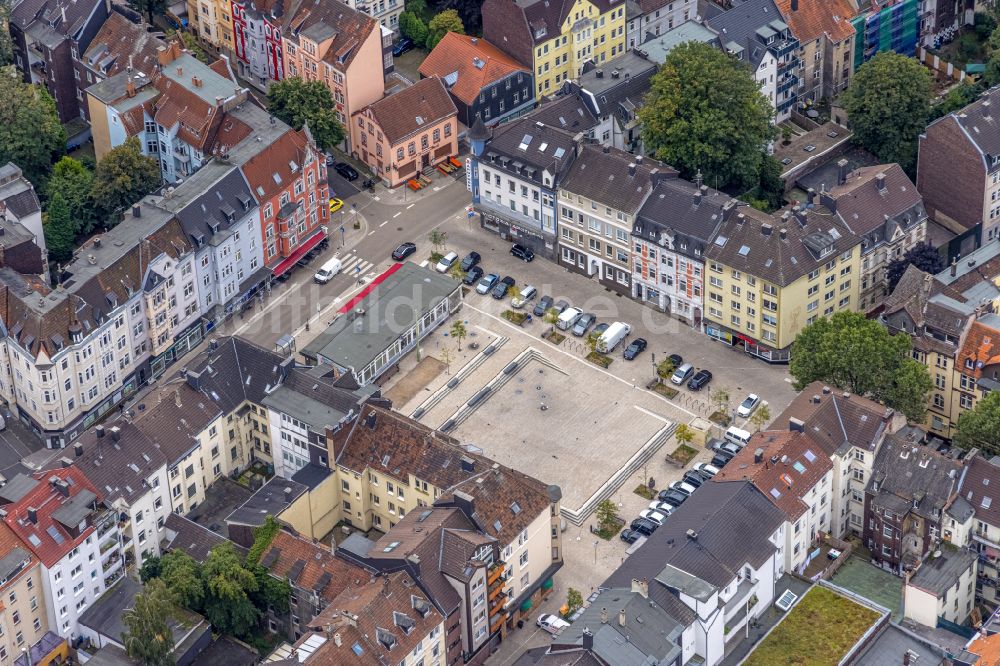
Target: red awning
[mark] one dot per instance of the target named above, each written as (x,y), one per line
(299,252)
(347,307)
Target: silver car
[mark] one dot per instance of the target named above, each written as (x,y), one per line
(583,324)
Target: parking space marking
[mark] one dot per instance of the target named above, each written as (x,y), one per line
(410,206)
(397,215)
(653,414)
(376,198)
(383,224)
(371,233)
(436,189)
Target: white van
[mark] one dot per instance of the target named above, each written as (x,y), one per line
(738,436)
(682,373)
(568,318)
(527,293)
(328,270)
(612,337)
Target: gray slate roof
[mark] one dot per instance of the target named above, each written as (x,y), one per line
(602,174)
(890,646)
(937,574)
(272,498)
(543,143)
(16,193)
(567,112)
(906,472)
(217,194)
(739,25)
(678,211)
(621,79)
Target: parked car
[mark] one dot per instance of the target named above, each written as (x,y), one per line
(705,468)
(700,380)
(682,487)
(629,535)
(583,323)
(671,497)
(634,348)
(501,288)
(521,252)
(676,359)
(748,405)
(487,283)
(446,262)
(693,478)
(528,294)
(403,251)
(720,459)
(470,260)
(655,516)
(727,447)
(542,306)
(561,305)
(347,171)
(681,373)
(662,507)
(551,623)
(567,318)
(643,526)
(600,328)
(472,275)
(402,46)
(335,204)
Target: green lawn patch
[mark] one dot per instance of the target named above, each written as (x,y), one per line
(599,359)
(684,454)
(644,491)
(514,317)
(818,631)
(666,391)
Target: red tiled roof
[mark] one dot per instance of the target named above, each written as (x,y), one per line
(406,112)
(179,105)
(276,159)
(475,62)
(45,499)
(316,560)
(120,44)
(981,346)
(813,18)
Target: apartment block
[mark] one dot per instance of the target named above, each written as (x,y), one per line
(770,277)
(826,38)
(975,497)
(651,18)
(556,39)
(257,43)
(212,23)
(942,588)
(386,12)
(21,215)
(24,617)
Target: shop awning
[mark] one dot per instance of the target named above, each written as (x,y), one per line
(526,605)
(347,307)
(547,585)
(299,252)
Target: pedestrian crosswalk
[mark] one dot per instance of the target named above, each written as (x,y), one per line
(355,265)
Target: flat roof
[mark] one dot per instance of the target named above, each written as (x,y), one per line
(273,497)
(937,574)
(397,303)
(656,48)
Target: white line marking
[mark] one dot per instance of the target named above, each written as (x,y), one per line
(371,233)
(376,198)
(383,224)
(653,414)
(423,264)
(436,189)
(397,215)
(410,206)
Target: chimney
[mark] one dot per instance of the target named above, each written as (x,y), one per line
(588,639)
(116,433)
(137,211)
(473,41)
(193,378)
(986,108)
(691,534)
(63,11)
(842,170)
(385,585)
(698,179)
(180,71)
(796,425)
(196,82)
(631,169)
(641,586)
(815,399)
(826,390)
(604,616)
(33,515)
(783,233)
(621,617)
(337,640)
(758,456)
(100,431)
(465,502)
(766,229)
(880,182)
(800,215)
(954,266)
(599,73)
(414,561)
(697,198)
(130,88)
(638,159)
(78,450)
(811,196)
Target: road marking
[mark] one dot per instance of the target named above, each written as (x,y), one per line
(436,189)
(423,264)
(383,224)
(410,206)
(653,414)
(397,215)
(788,379)
(376,198)
(371,233)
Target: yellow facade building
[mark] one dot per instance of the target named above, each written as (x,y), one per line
(211,21)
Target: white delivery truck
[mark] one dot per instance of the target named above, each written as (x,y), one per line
(612,337)
(328,270)
(567,318)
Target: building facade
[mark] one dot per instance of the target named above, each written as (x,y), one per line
(826,46)
(24,617)
(257,41)
(652,18)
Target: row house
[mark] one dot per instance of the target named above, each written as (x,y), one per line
(382,480)
(257,42)
(21,216)
(514,175)
(721,555)
(211,22)
(483,81)
(670,235)
(61,518)
(651,18)
(770,277)
(386,12)
(556,39)
(754,32)
(598,202)
(341,47)
(119,46)
(401,135)
(793,472)
(891,26)
(910,489)
(46,35)
(24,616)
(826,38)
(964,144)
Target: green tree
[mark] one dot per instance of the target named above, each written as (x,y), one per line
(148,7)
(665,368)
(889,86)
(720,399)
(770,188)
(184,578)
(30,133)
(443,23)
(150,569)
(438,240)
(683,433)
(149,639)
(456,271)
(760,417)
(705,112)
(122,178)
(412,26)
(458,331)
(190,43)
(6,44)
(980,426)
(960,95)
(921,255)
(551,316)
(60,234)
(298,102)
(228,586)
(271,592)
(574,600)
(858,355)
(263,535)
(607,515)
(591,341)
(74,182)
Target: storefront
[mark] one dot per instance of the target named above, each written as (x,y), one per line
(748,344)
(539,242)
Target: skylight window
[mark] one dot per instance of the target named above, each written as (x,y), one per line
(525,142)
(799,467)
(744,250)
(542,146)
(987,501)
(560,152)
(720,240)
(775,493)
(809,455)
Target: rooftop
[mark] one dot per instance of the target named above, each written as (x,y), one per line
(106,614)
(658,47)
(823,628)
(310,566)
(614,177)
(908,477)
(980,482)
(468,64)
(530,149)
(895,642)
(413,109)
(938,573)
(187,536)
(273,497)
(678,207)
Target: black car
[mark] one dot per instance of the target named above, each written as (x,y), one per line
(402,46)
(472,275)
(700,380)
(501,288)
(403,251)
(643,526)
(522,253)
(694,478)
(634,348)
(629,535)
(347,171)
(542,306)
(330,162)
(672,497)
(470,260)
(676,359)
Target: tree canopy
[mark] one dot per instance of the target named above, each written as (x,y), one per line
(298,102)
(122,178)
(888,104)
(74,181)
(980,426)
(443,23)
(59,230)
(921,255)
(412,26)
(859,355)
(30,133)
(183,576)
(228,584)
(6,44)
(149,639)
(705,112)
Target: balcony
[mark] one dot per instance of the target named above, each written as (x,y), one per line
(789,83)
(111,564)
(744,591)
(109,545)
(495,626)
(782,49)
(494,573)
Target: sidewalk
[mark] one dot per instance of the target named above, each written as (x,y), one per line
(403,195)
